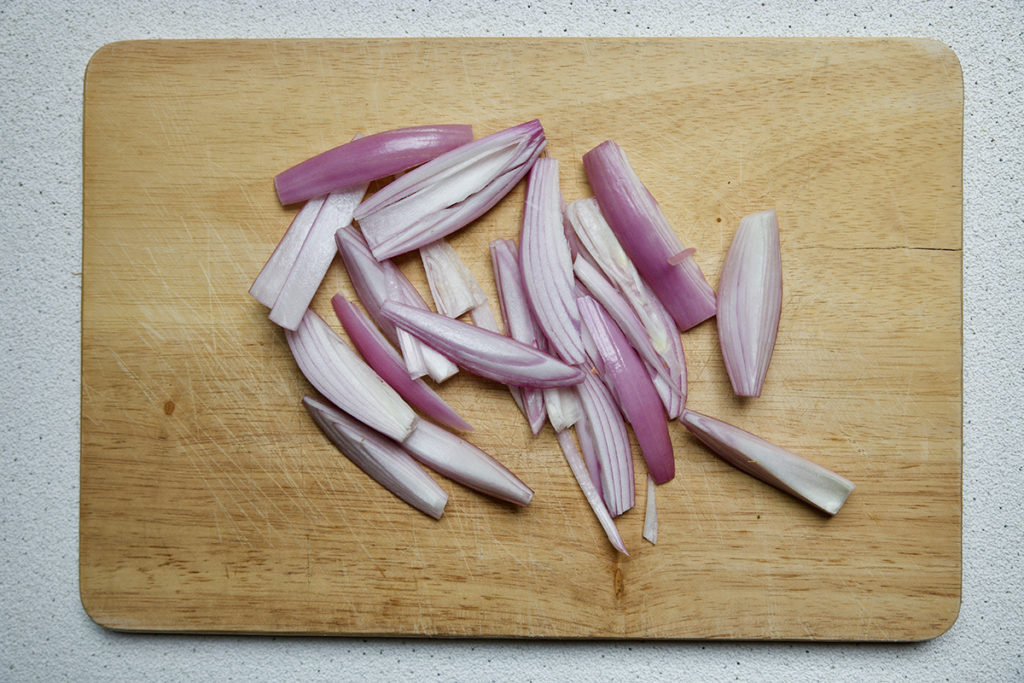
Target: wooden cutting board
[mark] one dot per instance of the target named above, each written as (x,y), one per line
(210,502)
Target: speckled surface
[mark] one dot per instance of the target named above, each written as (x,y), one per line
(44,48)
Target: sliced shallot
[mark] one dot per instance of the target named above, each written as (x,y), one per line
(453,287)
(463,462)
(519,322)
(621,369)
(268,283)
(314,258)
(481,351)
(449,192)
(378,281)
(382,459)
(386,361)
(750,301)
(797,476)
(546,263)
(607,435)
(579,470)
(647,237)
(368,158)
(340,374)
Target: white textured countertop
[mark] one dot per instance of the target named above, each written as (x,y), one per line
(44,48)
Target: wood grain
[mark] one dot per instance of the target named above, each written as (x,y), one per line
(210,502)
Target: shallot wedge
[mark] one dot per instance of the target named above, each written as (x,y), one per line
(271,279)
(386,361)
(801,478)
(519,322)
(345,380)
(449,192)
(621,369)
(647,237)
(382,459)
(608,438)
(750,301)
(463,462)
(314,258)
(453,287)
(579,470)
(672,374)
(546,263)
(481,351)
(378,281)
(651,514)
(368,158)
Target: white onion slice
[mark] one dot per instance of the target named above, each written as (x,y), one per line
(380,458)
(579,470)
(797,476)
(750,301)
(340,374)
(453,287)
(651,514)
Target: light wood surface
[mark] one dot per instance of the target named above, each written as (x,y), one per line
(210,502)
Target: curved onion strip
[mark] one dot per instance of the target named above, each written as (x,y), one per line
(275,271)
(453,287)
(797,476)
(463,462)
(377,281)
(610,441)
(449,192)
(647,237)
(546,263)
(380,458)
(339,374)
(368,158)
(314,258)
(481,351)
(383,358)
(579,470)
(519,322)
(750,301)
(628,380)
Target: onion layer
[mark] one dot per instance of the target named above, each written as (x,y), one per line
(797,476)
(750,301)
(481,351)
(463,462)
(383,358)
(449,192)
(382,459)
(579,470)
(338,373)
(647,237)
(368,158)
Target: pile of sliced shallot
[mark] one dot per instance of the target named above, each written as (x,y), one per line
(594,299)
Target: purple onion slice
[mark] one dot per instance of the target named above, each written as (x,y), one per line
(368,158)
(647,237)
